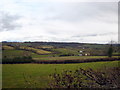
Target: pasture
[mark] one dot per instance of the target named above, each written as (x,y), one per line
(18,53)
(13,74)
(38,51)
(16,75)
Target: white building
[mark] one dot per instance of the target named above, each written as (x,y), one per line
(80,51)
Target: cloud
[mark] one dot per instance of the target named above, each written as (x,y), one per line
(94,35)
(8,22)
(73,12)
(60,21)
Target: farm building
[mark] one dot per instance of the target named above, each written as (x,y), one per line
(87,54)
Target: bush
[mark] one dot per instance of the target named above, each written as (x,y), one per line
(66,54)
(89,78)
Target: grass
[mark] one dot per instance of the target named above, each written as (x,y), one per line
(17,53)
(12,53)
(66,50)
(117,53)
(34,55)
(45,46)
(7,47)
(38,51)
(13,73)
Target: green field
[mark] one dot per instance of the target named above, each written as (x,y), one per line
(7,47)
(67,50)
(38,51)
(12,53)
(13,73)
(18,53)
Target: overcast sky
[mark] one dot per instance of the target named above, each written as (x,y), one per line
(34,20)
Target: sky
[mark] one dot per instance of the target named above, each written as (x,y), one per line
(62,21)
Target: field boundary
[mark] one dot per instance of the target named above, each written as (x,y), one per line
(75,60)
(68,61)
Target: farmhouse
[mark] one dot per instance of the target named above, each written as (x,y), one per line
(80,51)
(87,54)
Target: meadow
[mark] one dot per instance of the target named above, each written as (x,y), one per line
(17,74)
(16,53)
(13,74)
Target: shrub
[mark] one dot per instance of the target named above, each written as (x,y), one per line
(89,78)
(66,54)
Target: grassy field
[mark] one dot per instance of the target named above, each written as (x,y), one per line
(38,51)
(67,50)
(18,53)
(13,73)
(45,46)
(7,47)
(12,53)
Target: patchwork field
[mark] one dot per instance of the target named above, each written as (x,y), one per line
(29,64)
(18,53)
(14,75)
(5,47)
(38,51)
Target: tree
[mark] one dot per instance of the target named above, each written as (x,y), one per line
(110,51)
